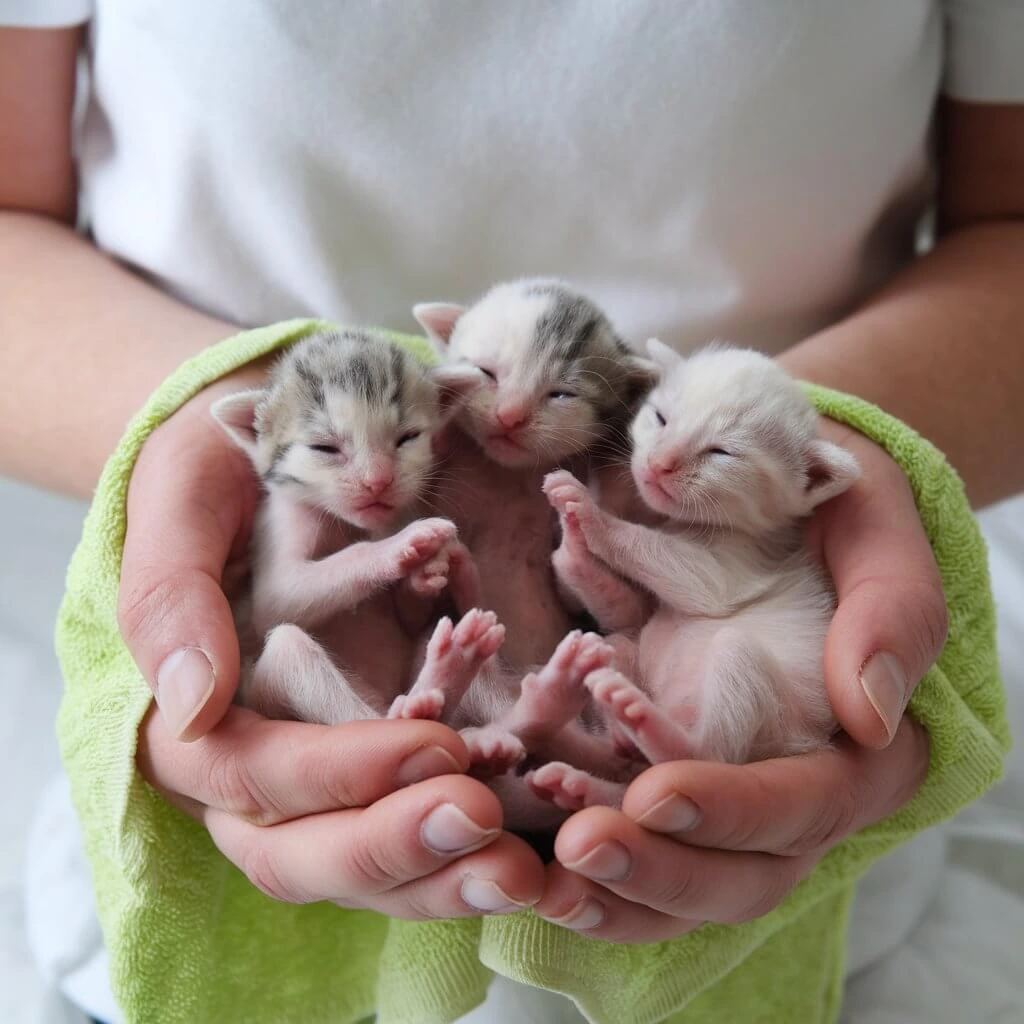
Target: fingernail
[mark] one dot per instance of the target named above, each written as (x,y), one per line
(609,862)
(483,894)
(885,686)
(586,914)
(426,764)
(184,683)
(676,813)
(448,830)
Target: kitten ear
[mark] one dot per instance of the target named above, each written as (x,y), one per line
(664,357)
(642,375)
(456,381)
(830,471)
(438,319)
(237,415)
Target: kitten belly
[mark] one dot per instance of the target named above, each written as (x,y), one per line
(508,526)
(370,647)
(674,652)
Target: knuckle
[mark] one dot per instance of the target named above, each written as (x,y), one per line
(678,889)
(234,788)
(317,773)
(831,822)
(258,865)
(774,886)
(370,864)
(146,602)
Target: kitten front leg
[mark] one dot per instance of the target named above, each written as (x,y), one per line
(615,604)
(678,572)
(308,592)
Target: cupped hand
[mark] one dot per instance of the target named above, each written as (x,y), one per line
(371,814)
(698,841)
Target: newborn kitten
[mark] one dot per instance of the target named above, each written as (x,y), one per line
(342,438)
(556,385)
(730,663)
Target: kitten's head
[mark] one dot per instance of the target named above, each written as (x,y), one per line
(346,424)
(556,379)
(728,439)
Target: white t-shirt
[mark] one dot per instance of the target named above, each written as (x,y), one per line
(732,169)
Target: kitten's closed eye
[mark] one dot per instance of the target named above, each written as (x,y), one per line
(487,373)
(562,394)
(325,449)
(406,438)
(720,451)
(657,415)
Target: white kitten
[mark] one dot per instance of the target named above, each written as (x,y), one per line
(730,664)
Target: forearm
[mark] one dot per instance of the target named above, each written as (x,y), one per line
(942,348)
(82,344)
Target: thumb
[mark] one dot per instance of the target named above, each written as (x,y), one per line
(172,610)
(891,620)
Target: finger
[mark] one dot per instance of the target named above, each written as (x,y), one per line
(172,610)
(358,854)
(266,772)
(791,805)
(502,878)
(683,881)
(891,620)
(574,902)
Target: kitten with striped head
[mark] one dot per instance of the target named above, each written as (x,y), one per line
(557,387)
(342,438)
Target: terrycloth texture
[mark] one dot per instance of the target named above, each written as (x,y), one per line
(191,940)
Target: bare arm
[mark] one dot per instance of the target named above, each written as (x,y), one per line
(82,340)
(942,346)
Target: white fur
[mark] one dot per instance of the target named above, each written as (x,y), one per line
(731,662)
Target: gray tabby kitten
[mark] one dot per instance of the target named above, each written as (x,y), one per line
(345,578)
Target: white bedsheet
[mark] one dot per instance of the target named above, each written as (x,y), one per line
(961,963)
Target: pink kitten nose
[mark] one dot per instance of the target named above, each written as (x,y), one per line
(511,417)
(378,479)
(663,465)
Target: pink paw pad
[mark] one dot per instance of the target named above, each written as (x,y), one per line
(624,700)
(566,787)
(492,751)
(428,705)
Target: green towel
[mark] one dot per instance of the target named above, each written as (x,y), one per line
(191,941)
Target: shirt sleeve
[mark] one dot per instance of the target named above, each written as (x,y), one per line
(44,13)
(984,50)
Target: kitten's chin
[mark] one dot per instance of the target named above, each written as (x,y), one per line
(658,498)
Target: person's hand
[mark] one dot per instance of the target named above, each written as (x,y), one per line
(697,841)
(371,814)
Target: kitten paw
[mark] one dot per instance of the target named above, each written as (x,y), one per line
(572,789)
(562,487)
(430,579)
(625,701)
(427,705)
(421,542)
(492,750)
